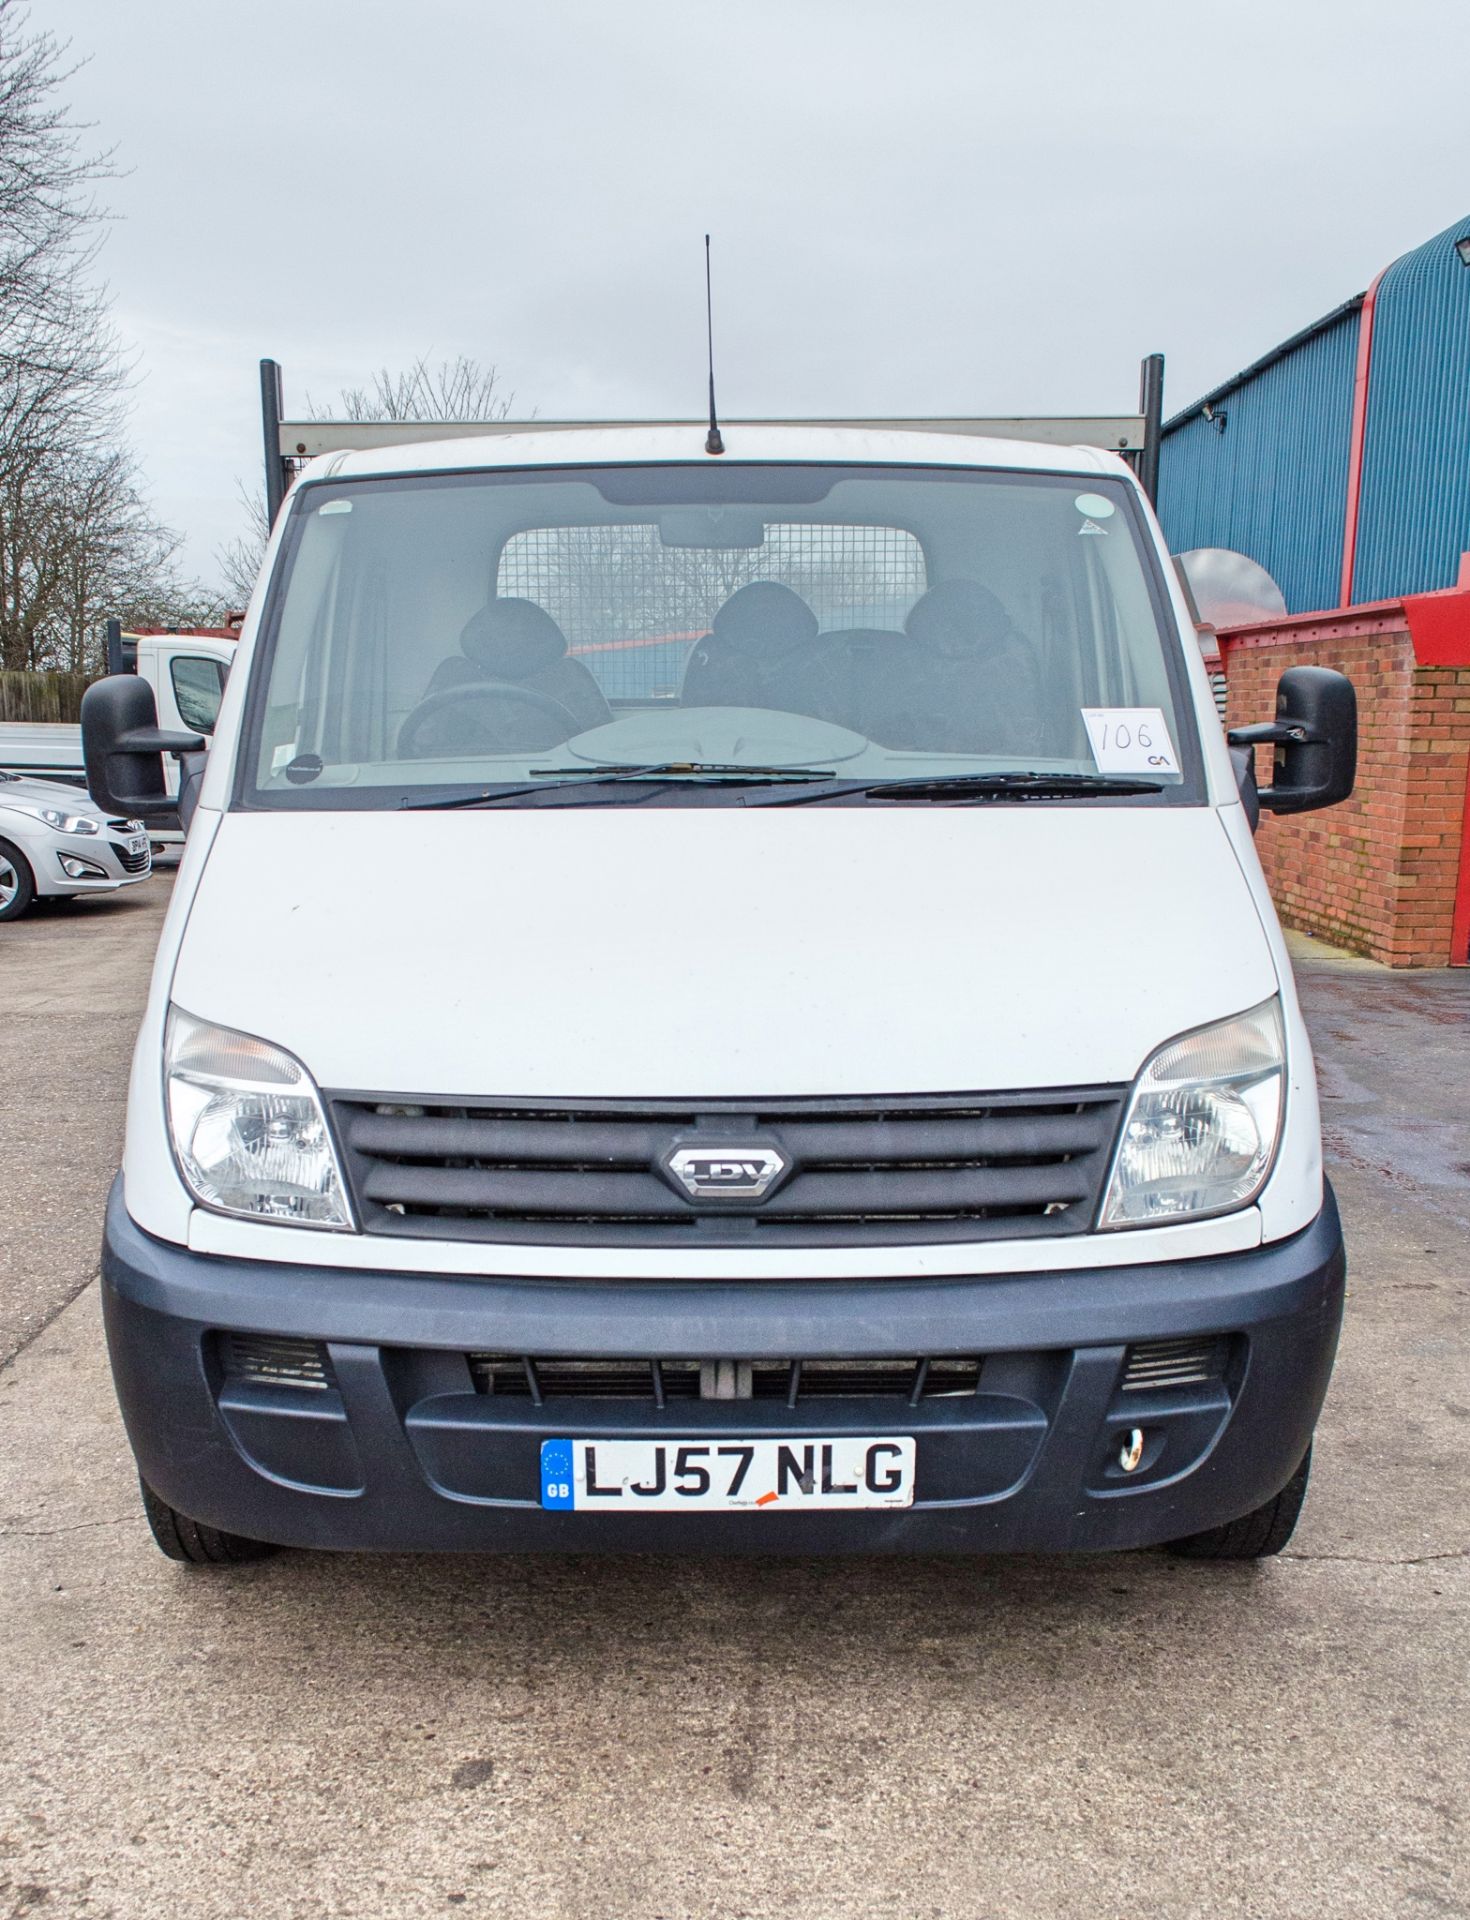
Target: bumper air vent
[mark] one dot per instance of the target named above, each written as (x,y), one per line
(657,1382)
(538,1380)
(849,1172)
(1174,1363)
(274,1360)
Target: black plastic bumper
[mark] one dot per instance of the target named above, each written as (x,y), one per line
(403,1453)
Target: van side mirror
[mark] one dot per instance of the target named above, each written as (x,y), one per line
(1315,734)
(123,748)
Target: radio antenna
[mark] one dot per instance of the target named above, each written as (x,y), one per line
(712,441)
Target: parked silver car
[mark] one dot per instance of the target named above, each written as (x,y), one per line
(54,841)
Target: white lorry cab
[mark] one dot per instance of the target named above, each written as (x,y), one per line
(722,1003)
(186,672)
(55,841)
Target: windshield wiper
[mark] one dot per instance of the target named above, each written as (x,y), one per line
(969,786)
(694,772)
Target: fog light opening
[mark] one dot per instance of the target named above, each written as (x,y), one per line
(1130,1454)
(76,869)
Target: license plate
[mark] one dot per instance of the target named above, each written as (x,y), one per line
(138,843)
(726,1475)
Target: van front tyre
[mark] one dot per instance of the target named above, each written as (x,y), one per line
(17,882)
(1255,1535)
(192,1542)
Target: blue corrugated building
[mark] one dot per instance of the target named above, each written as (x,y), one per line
(1340,461)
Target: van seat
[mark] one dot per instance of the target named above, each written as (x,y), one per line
(517,641)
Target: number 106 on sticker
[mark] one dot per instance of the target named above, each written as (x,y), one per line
(1130,740)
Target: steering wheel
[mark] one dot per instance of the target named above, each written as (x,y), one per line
(409,746)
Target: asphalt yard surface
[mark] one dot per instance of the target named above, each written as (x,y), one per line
(1128,1735)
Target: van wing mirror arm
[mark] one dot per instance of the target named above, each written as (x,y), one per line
(1274,733)
(189,749)
(191,775)
(1243,764)
(159,740)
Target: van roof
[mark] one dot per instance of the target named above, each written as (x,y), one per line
(560,444)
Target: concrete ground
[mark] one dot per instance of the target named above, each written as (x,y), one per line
(73,979)
(555,1740)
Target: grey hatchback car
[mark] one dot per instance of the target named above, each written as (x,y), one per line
(55,841)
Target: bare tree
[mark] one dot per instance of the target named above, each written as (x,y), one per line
(83,546)
(458,389)
(53,335)
(238,561)
(77,540)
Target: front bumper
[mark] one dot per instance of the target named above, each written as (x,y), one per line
(401,1452)
(118,869)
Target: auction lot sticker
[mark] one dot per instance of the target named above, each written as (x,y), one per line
(1130,740)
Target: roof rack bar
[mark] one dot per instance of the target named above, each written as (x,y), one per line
(301,439)
(289,442)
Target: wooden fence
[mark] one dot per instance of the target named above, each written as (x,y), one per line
(41,696)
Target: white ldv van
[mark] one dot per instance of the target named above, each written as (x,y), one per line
(721,1004)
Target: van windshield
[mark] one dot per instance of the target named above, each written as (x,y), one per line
(434,636)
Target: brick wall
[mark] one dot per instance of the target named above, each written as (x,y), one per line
(1435,849)
(1386,873)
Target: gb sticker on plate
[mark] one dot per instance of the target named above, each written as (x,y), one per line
(1130,740)
(556,1476)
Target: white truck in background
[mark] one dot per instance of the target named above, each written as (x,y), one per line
(187,672)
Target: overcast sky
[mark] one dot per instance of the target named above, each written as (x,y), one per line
(919,206)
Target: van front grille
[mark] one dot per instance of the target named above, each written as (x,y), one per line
(538,1379)
(847,1172)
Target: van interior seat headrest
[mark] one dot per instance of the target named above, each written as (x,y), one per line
(509,639)
(959,616)
(765,618)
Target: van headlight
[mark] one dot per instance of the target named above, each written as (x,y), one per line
(1202,1124)
(248,1128)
